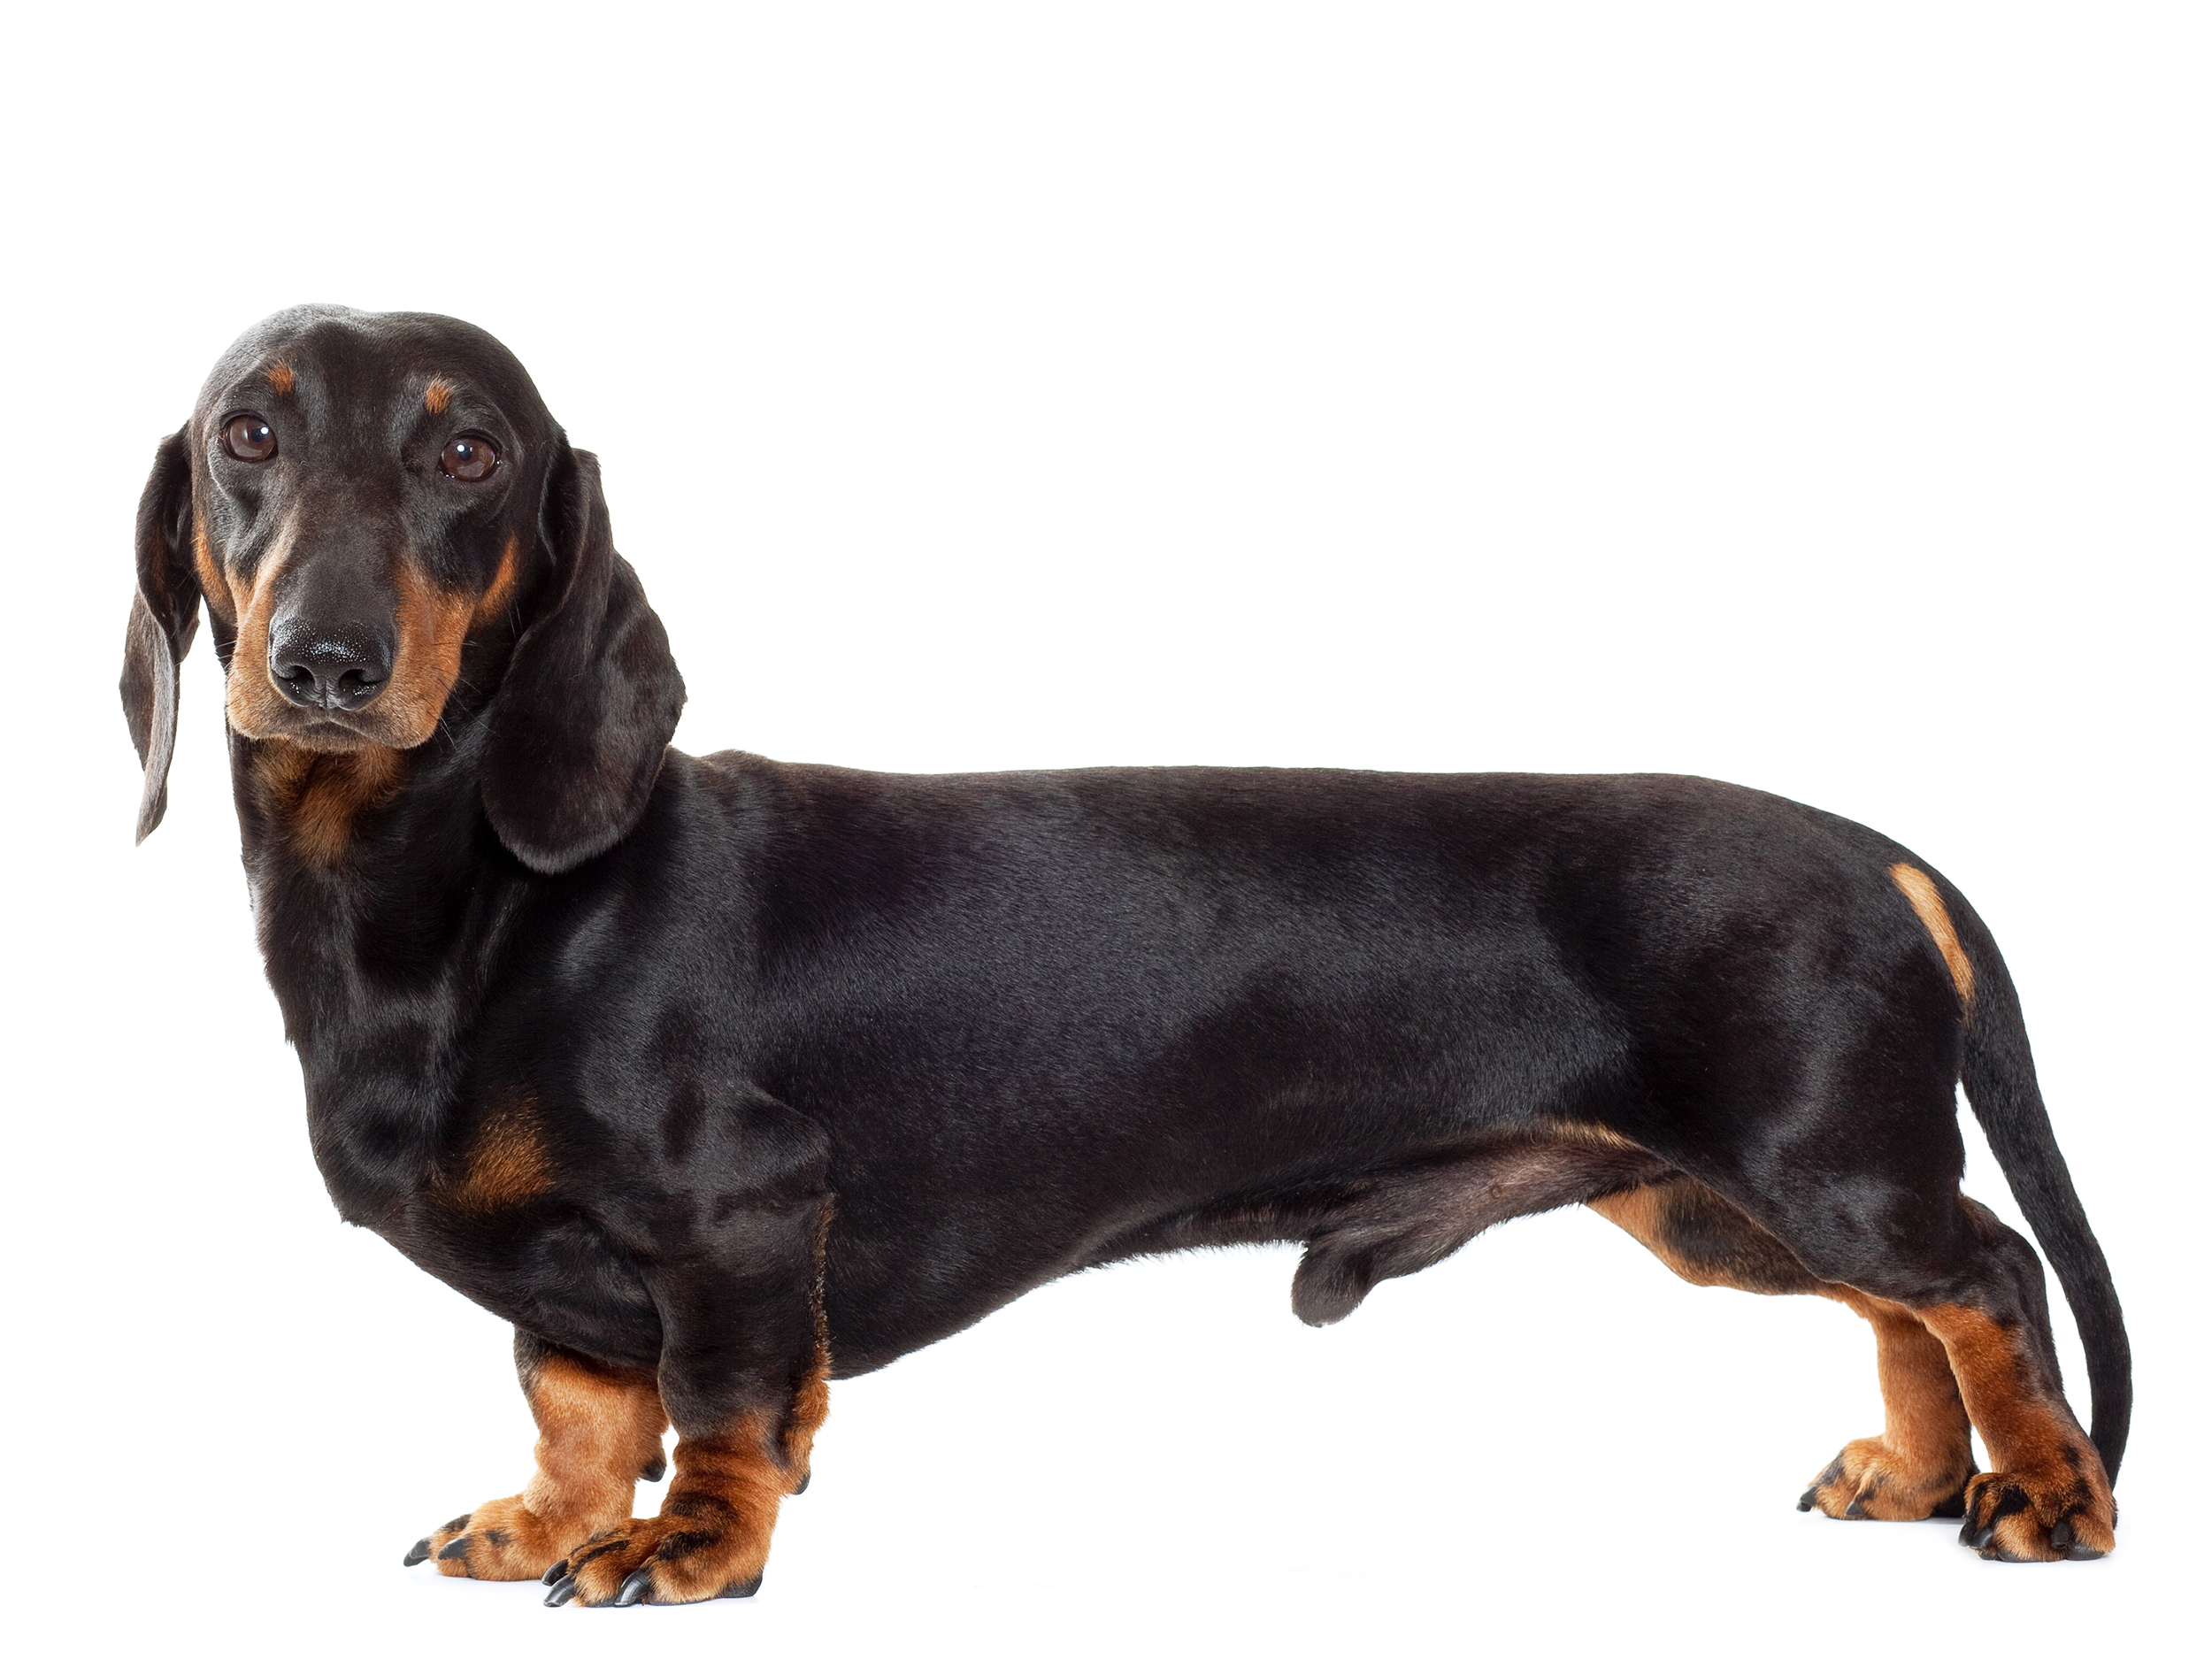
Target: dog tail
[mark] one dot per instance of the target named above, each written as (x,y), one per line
(2001,1085)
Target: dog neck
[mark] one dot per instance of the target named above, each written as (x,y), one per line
(374,873)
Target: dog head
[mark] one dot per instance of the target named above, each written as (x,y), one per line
(376,509)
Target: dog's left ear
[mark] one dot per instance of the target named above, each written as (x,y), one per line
(590,697)
(164,616)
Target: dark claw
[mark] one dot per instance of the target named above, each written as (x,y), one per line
(2063,1537)
(457,1550)
(558,1571)
(633,1587)
(417,1556)
(805,1480)
(1806,1503)
(563,1593)
(653,1471)
(1982,1538)
(752,1586)
(1856,1510)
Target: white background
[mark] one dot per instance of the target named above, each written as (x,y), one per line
(1809,397)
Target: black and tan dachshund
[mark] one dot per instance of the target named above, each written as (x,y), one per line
(720,1077)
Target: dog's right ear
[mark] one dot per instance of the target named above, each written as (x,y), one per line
(164,615)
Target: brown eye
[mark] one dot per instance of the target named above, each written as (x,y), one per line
(469,459)
(248,438)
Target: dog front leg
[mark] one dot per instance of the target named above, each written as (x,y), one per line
(599,1430)
(745,1378)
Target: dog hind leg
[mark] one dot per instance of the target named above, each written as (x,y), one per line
(1919,1465)
(1919,1246)
(2048,1497)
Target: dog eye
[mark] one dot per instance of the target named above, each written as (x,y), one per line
(248,438)
(469,459)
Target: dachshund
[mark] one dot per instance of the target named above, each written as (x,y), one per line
(719,1077)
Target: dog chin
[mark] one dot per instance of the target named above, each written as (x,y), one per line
(322,738)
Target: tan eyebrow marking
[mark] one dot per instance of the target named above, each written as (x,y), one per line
(1927,904)
(280,377)
(437,395)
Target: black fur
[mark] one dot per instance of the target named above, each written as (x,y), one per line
(591,694)
(988,1030)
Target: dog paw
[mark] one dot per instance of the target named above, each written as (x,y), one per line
(499,1540)
(660,1561)
(2038,1514)
(1870,1482)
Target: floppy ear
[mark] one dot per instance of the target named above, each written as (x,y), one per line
(591,695)
(164,616)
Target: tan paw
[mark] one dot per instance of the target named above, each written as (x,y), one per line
(499,1540)
(659,1561)
(2053,1514)
(1870,1482)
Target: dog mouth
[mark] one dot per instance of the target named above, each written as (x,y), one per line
(329,732)
(404,712)
(265,707)
(329,735)
(328,686)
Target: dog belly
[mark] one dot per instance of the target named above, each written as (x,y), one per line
(1365,1225)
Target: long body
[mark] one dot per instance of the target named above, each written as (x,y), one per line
(1045,1020)
(718,1076)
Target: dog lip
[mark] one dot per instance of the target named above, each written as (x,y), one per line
(332,730)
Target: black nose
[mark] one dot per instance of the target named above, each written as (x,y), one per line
(329,665)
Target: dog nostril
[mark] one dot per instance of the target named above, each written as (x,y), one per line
(328,665)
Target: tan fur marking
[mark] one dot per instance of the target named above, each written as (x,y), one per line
(213,583)
(598,1427)
(1636,1212)
(1640,1212)
(1926,1418)
(318,795)
(280,376)
(1591,1135)
(1927,904)
(437,396)
(433,626)
(1704,1239)
(1924,1455)
(252,703)
(728,1489)
(2021,1429)
(509,1162)
(501,594)
(2036,1447)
